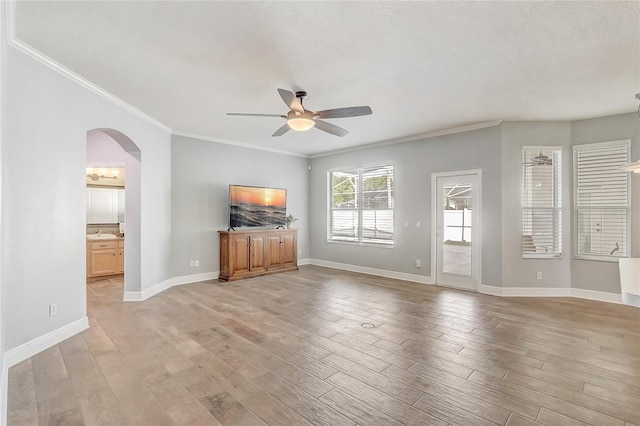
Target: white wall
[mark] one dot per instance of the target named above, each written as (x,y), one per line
(516,271)
(201,174)
(46,117)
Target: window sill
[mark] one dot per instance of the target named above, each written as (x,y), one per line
(542,256)
(361,244)
(611,259)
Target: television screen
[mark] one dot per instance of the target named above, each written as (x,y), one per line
(257,206)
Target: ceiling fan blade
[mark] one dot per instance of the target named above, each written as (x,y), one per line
(255,115)
(290,100)
(345,112)
(330,128)
(282,130)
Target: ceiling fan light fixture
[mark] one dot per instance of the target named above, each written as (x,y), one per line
(300,121)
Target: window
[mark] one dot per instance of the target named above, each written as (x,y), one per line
(601,200)
(361,205)
(541,201)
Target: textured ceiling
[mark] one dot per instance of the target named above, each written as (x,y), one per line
(421,66)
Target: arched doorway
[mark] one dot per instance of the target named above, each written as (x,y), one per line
(109,147)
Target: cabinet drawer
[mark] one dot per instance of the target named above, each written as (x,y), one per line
(101,245)
(121,243)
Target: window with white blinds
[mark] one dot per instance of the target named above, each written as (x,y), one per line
(361,204)
(601,200)
(541,202)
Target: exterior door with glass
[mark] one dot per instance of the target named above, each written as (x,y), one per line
(457,211)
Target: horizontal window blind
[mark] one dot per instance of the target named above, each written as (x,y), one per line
(601,198)
(361,205)
(541,201)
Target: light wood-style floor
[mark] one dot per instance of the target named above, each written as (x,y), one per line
(294,348)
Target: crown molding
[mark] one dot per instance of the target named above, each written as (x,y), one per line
(412,138)
(23,47)
(240,144)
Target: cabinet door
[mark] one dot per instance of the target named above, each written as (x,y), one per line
(239,256)
(102,205)
(258,251)
(289,250)
(103,261)
(274,260)
(120,261)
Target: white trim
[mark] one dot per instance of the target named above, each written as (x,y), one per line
(542,147)
(132,296)
(413,138)
(139,296)
(240,144)
(626,143)
(577,293)
(422,279)
(13,41)
(39,344)
(598,145)
(4,388)
(302,262)
(477,214)
(600,296)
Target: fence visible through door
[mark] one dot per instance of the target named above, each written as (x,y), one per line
(457,207)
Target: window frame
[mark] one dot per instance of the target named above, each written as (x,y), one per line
(361,240)
(556,208)
(626,143)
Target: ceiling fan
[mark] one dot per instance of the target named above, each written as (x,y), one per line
(540,160)
(301,119)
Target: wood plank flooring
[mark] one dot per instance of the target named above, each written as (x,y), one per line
(291,349)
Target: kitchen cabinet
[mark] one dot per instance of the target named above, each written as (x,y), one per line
(245,254)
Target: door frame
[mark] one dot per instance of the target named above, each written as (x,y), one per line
(477,237)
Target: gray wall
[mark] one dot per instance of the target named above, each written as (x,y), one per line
(605,276)
(414,163)
(516,271)
(46,117)
(201,172)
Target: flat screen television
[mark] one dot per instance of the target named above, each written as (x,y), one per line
(257,206)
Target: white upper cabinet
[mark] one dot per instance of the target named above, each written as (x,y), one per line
(105,205)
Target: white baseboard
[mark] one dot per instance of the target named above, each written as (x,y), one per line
(29,349)
(139,296)
(422,279)
(599,296)
(4,386)
(302,262)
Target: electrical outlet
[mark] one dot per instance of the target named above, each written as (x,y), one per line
(197,263)
(418,264)
(539,275)
(418,224)
(53,309)
(192,263)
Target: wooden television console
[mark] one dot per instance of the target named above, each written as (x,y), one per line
(251,253)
